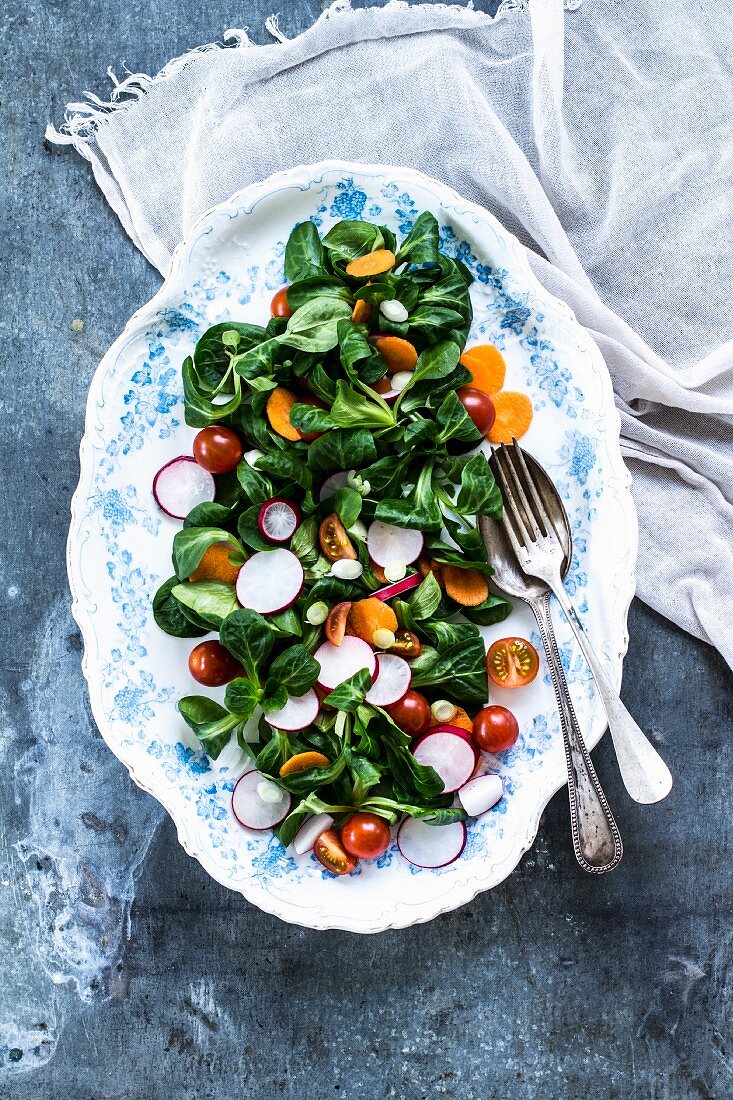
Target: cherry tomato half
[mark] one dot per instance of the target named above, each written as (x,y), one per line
(495,729)
(512,662)
(335,625)
(335,543)
(212,665)
(411,713)
(406,644)
(217,449)
(279,306)
(365,836)
(479,407)
(329,851)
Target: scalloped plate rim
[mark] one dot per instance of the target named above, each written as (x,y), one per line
(82,616)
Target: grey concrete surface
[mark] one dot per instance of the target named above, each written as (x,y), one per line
(553,986)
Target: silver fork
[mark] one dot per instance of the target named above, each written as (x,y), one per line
(596,840)
(537,547)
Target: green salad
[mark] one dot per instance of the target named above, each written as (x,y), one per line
(329,540)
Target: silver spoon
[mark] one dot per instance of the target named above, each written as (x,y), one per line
(596,838)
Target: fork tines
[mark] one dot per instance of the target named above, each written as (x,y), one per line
(525,517)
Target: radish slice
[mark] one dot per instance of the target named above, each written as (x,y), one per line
(278,518)
(450,752)
(251,809)
(388,543)
(339,662)
(182,484)
(332,483)
(270,581)
(393,680)
(298,712)
(396,589)
(431,845)
(309,833)
(480,794)
(401,379)
(458,731)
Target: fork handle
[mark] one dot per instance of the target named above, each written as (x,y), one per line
(596,838)
(646,777)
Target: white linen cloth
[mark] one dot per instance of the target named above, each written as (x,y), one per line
(603,138)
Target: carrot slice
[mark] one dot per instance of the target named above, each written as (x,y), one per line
(374,263)
(513,416)
(369,615)
(429,565)
(303,760)
(397,353)
(361,312)
(215,565)
(278,407)
(458,718)
(486,364)
(467,587)
(461,719)
(377,569)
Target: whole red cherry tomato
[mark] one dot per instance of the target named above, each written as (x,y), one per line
(279,306)
(212,665)
(495,729)
(411,713)
(365,836)
(217,449)
(479,407)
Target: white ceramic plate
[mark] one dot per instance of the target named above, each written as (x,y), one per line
(119,543)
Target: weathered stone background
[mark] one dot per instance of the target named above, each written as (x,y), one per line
(553,986)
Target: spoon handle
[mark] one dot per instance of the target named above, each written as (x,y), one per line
(596,838)
(646,777)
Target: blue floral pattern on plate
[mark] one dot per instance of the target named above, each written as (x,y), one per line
(119,546)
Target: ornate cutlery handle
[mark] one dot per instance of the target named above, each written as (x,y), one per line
(596,838)
(646,777)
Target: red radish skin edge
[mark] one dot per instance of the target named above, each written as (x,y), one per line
(395,675)
(247,787)
(205,478)
(284,504)
(299,712)
(396,589)
(352,655)
(411,836)
(480,794)
(270,581)
(454,763)
(459,731)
